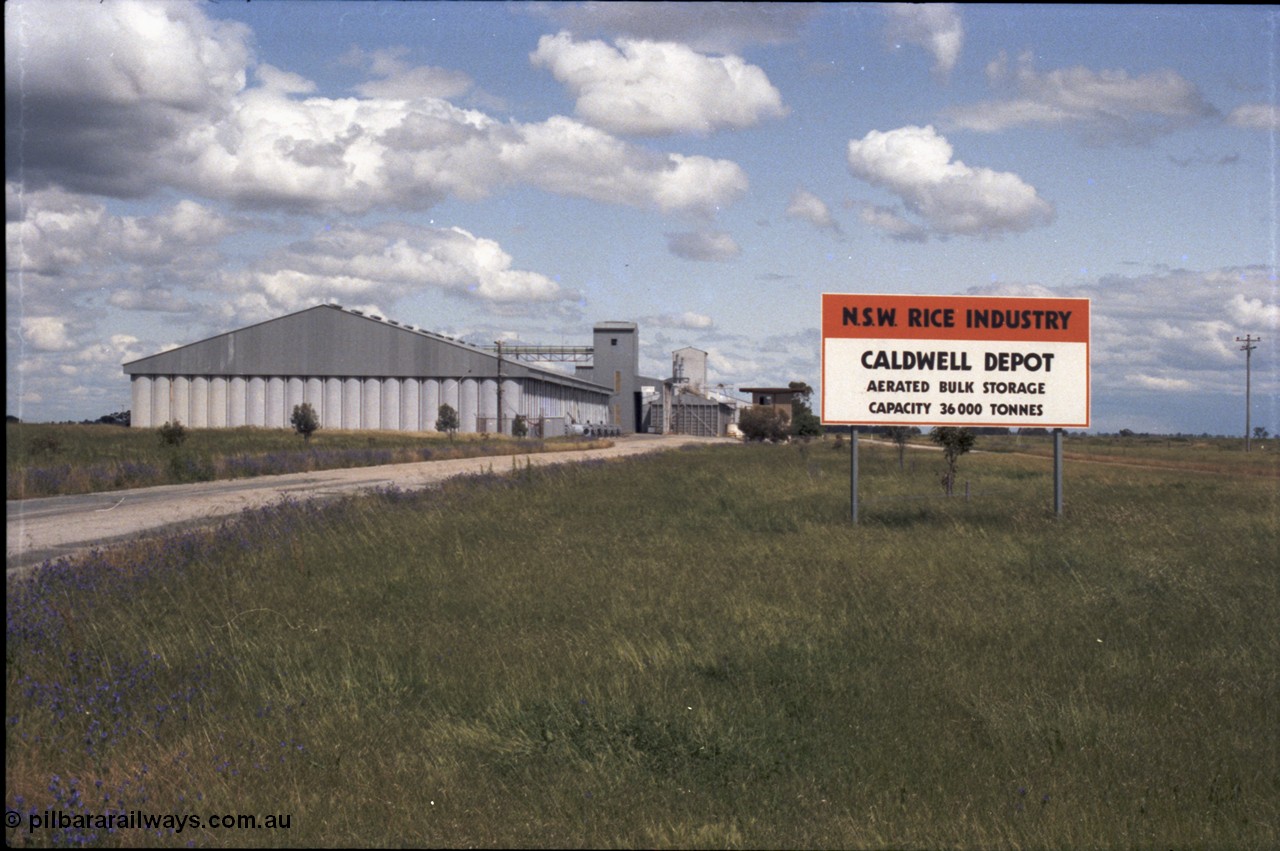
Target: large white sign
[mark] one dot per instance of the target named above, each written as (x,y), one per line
(955,360)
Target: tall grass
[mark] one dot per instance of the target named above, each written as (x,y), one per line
(688,650)
(49,460)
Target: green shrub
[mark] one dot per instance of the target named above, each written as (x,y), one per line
(172,434)
(764,422)
(304,420)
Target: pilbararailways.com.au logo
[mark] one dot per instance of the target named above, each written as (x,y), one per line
(139,820)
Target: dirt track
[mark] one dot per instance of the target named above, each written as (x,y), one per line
(49,528)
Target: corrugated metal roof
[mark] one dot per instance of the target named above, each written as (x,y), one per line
(335,341)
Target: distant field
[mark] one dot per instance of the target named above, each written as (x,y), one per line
(1203,454)
(692,649)
(48,460)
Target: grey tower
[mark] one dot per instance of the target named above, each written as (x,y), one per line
(616,364)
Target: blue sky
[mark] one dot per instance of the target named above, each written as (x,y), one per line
(521,171)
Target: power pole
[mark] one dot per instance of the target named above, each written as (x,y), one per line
(499,345)
(1250,343)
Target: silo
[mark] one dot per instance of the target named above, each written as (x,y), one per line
(410,414)
(371,407)
(468,404)
(294,395)
(488,410)
(275,416)
(238,402)
(331,416)
(199,402)
(140,412)
(255,402)
(218,402)
(161,399)
(351,407)
(390,390)
(430,403)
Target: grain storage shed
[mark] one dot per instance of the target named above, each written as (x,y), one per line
(357,371)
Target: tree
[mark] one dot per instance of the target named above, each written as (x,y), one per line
(172,434)
(447,420)
(1260,432)
(764,422)
(899,435)
(304,420)
(804,422)
(120,418)
(954,442)
(519,428)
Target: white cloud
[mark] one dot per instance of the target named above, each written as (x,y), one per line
(654,88)
(167,107)
(62,244)
(687,320)
(1254,314)
(703,245)
(95,96)
(387,263)
(1108,105)
(400,80)
(1255,116)
(709,27)
(915,163)
(283,82)
(808,207)
(934,26)
(46,333)
(891,223)
(1154,382)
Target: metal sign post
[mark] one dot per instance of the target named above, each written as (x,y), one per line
(853,480)
(1057,472)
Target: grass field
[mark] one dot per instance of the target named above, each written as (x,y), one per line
(694,649)
(47,460)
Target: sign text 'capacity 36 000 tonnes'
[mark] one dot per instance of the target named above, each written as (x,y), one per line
(955,360)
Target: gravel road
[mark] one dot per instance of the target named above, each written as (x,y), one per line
(52,527)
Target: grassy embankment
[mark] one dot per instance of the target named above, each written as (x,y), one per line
(693,649)
(48,460)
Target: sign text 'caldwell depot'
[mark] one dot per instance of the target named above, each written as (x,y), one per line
(955,360)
